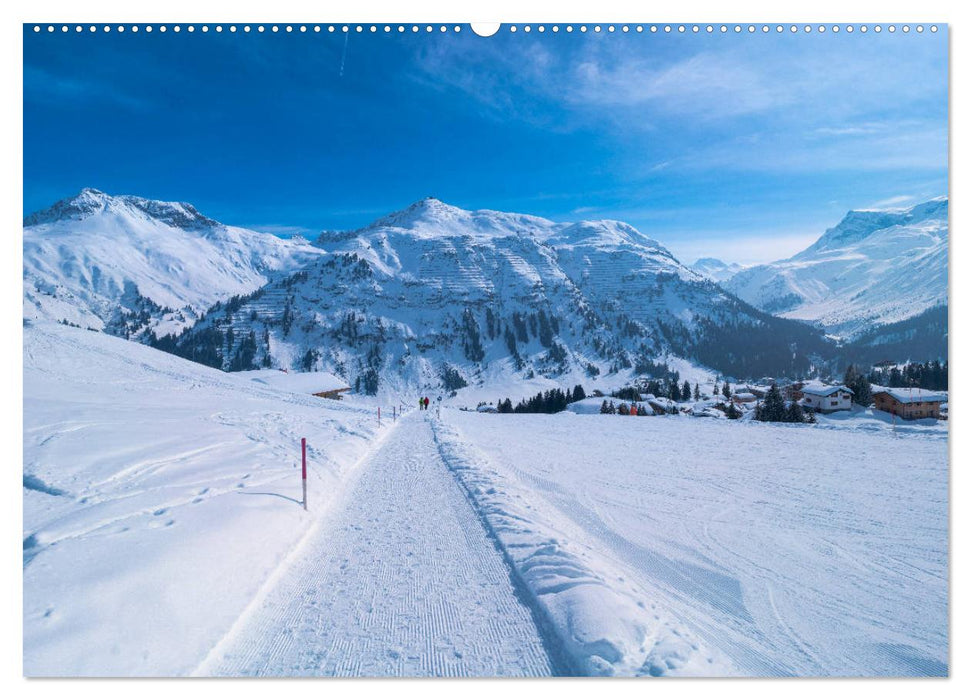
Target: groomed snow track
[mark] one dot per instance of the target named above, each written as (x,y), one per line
(400,579)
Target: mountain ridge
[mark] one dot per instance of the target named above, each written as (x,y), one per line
(843,281)
(127,264)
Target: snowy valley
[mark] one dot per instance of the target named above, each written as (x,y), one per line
(164,534)
(170,371)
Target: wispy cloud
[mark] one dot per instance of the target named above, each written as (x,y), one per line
(900,200)
(759,103)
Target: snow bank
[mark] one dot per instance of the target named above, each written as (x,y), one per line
(591,404)
(296,382)
(602,625)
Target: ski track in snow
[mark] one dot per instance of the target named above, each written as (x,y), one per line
(837,571)
(400,580)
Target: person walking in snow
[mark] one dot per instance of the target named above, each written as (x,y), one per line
(426,403)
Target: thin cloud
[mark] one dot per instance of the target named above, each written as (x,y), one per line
(890,202)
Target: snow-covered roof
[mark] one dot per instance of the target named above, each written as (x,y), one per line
(820,389)
(296,382)
(744,396)
(908,395)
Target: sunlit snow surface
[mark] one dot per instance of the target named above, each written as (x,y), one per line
(163,534)
(785,550)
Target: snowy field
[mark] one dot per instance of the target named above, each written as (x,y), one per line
(159,496)
(772,549)
(163,534)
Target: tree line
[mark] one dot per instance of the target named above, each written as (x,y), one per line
(550,401)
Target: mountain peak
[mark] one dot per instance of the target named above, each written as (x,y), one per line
(715,269)
(426,210)
(858,224)
(90,201)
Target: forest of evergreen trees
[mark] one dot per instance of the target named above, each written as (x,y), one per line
(924,375)
(550,401)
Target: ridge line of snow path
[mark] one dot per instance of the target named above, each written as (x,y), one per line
(271,581)
(398,579)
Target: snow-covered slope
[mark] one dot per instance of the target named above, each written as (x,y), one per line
(715,269)
(872,269)
(159,495)
(438,296)
(126,264)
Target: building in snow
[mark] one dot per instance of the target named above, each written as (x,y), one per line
(332,393)
(911,404)
(744,397)
(825,398)
(322,384)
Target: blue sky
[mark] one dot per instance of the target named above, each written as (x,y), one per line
(744,147)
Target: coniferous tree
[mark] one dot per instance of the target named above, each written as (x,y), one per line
(794,413)
(859,384)
(733,412)
(697,394)
(773,408)
(604,408)
(674,393)
(511,342)
(578,393)
(686,391)
(726,391)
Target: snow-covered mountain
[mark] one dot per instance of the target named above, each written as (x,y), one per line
(874,268)
(438,296)
(127,264)
(715,269)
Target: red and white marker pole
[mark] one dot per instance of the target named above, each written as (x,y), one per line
(303,449)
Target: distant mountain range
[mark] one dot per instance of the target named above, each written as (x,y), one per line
(872,269)
(432,295)
(715,269)
(129,265)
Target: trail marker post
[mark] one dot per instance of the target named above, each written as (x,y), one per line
(394,414)
(303,450)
